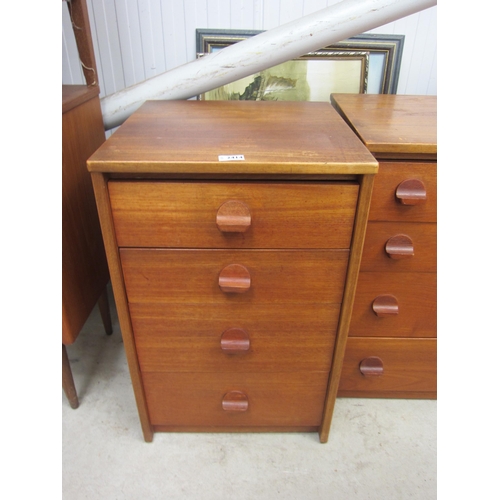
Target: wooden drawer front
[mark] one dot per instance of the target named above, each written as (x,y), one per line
(385,206)
(204,354)
(160,321)
(415,299)
(423,241)
(183,215)
(192,276)
(409,368)
(189,337)
(274,399)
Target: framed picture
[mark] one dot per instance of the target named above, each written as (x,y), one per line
(312,77)
(384,53)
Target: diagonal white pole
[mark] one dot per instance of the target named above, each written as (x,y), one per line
(307,34)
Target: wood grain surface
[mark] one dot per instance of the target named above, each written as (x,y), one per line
(392,124)
(423,236)
(156,322)
(275,137)
(385,206)
(204,354)
(410,365)
(84,267)
(184,214)
(182,337)
(274,399)
(99,182)
(278,277)
(416,296)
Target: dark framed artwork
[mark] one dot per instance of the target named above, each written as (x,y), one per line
(384,53)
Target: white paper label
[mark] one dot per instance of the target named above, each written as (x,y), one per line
(231,157)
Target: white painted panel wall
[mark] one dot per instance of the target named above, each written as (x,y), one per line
(137,39)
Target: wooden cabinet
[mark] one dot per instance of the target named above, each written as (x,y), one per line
(393,324)
(234,277)
(84,268)
(85,272)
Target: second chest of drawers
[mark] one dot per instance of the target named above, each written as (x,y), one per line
(391,350)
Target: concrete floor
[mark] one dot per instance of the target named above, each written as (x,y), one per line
(378,449)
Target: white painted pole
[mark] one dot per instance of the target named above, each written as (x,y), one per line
(307,34)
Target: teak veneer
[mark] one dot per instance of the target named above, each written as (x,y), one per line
(234,280)
(84,269)
(398,267)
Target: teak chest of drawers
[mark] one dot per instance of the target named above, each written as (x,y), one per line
(233,232)
(391,350)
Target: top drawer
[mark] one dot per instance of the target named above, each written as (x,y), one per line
(259,215)
(414,201)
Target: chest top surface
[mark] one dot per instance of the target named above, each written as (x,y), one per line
(274,137)
(398,124)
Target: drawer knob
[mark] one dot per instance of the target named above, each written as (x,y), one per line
(371,367)
(411,192)
(234,278)
(235,340)
(233,217)
(399,246)
(235,401)
(385,305)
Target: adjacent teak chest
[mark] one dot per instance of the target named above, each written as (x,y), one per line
(391,350)
(233,232)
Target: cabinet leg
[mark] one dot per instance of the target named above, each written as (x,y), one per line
(105,312)
(67,380)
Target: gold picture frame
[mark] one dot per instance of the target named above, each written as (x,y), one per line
(312,77)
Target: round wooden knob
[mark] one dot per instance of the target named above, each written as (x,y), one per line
(234,278)
(411,192)
(371,367)
(234,341)
(235,401)
(233,217)
(385,305)
(399,246)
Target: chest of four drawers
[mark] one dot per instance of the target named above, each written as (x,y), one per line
(234,281)
(391,350)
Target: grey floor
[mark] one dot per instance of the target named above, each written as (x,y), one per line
(378,449)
